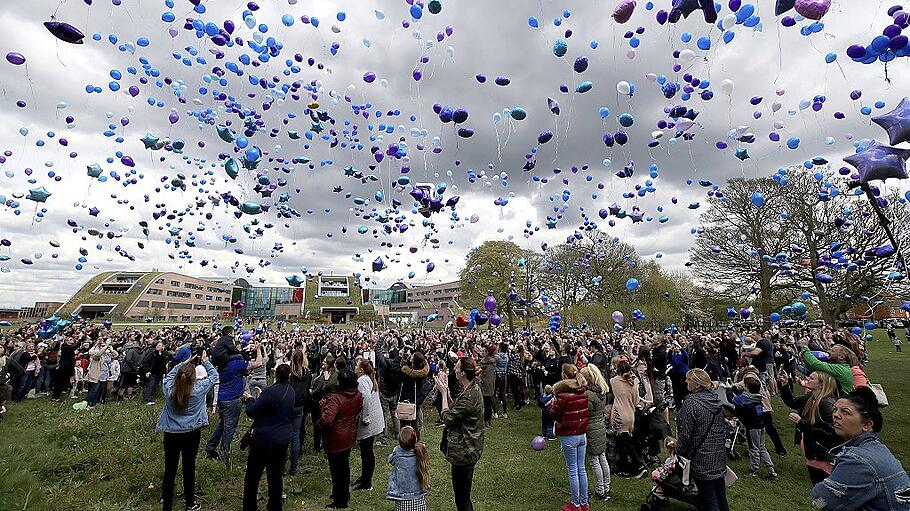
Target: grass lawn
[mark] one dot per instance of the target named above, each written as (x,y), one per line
(110,458)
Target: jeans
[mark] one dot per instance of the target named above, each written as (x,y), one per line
(271,460)
(758,453)
(502,382)
(175,446)
(26,382)
(601,473)
(573,449)
(150,385)
(295,440)
(94,392)
(712,495)
(340,470)
(228,417)
(462,480)
(389,404)
(367,462)
(45,378)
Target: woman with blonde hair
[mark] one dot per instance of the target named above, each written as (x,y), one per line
(622,418)
(814,420)
(596,435)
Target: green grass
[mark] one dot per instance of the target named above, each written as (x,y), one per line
(110,458)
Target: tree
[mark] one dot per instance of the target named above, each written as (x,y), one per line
(738,241)
(494,269)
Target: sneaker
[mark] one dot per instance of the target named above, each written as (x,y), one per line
(602,496)
(150,403)
(194,507)
(772,477)
(211,455)
(504,416)
(782,453)
(641,474)
(753,474)
(495,415)
(364,487)
(585,507)
(570,507)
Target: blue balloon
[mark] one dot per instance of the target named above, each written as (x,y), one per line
(745,12)
(831,57)
(728,36)
(632,285)
(416,12)
(287,20)
(704,43)
(532,22)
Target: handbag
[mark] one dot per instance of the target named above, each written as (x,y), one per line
(880,395)
(407,411)
(685,464)
(247,437)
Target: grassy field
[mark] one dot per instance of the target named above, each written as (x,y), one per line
(110,458)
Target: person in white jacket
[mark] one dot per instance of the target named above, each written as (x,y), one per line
(113,375)
(370,424)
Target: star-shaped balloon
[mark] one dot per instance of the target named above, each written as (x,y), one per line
(94,170)
(896,122)
(149,141)
(294,280)
(93,211)
(39,194)
(683,8)
(553,106)
(614,209)
(742,154)
(378,264)
(880,162)
(783,6)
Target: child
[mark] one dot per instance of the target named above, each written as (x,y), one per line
(750,411)
(409,479)
(547,424)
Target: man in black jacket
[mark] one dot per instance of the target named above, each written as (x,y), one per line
(66,367)
(224,350)
(130,369)
(389,371)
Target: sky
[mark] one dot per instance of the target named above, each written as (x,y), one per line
(775,64)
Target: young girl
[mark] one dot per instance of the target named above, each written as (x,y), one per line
(409,479)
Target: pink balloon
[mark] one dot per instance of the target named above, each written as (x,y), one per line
(623,11)
(812,9)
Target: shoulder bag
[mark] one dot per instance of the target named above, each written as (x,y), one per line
(407,411)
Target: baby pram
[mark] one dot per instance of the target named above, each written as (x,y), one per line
(734,431)
(650,431)
(668,485)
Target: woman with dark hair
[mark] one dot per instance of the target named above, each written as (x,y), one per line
(463,436)
(412,379)
(865,475)
(300,381)
(319,389)
(370,424)
(488,382)
(273,425)
(182,419)
(339,434)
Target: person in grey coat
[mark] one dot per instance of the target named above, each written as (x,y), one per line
(700,439)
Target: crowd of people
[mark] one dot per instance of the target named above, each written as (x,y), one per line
(605,395)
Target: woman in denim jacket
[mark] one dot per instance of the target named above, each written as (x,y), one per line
(866,476)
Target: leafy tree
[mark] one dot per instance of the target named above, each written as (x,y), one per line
(495,268)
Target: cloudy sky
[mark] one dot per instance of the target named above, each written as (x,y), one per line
(489,38)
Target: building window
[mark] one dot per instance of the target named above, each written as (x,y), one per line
(153,291)
(158,305)
(178,294)
(159,281)
(173,305)
(142,303)
(175,283)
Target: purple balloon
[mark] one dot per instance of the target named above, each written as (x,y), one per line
(15,58)
(880,162)
(495,320)
(538,443)
(618,317)
(623,11)
(65,32)
(896,122)
(369,77)
(133,90)
(812,9)
(489,303)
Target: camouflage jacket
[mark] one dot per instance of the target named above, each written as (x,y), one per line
(464,424)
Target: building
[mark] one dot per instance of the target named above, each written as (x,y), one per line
(884,311)
(336,299)
(279,302)
(162,296)
(403,304)
(40,310)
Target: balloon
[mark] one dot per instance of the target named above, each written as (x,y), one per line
(94,170)
(683,8)
(812,9)
(489,303)
(783,6)
(624,88)
(38,194)
(538,443)
(461,322)
(518,113)
(623,11)
(294,280)
(757,199)
(15,58)
(632,285)
(618,317)
(584,87)
(896,122)
(495,319)
(726,87)
(65,32)
(879,162)
(560,47)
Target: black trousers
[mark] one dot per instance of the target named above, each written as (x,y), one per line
(61,380)
(271,460)
(768,418)
(516,385)
(177,445)
(680,389)
(315,413)
(340,470)
(367,461)
(487,408)
(629,459)
(462,479)
(817,475)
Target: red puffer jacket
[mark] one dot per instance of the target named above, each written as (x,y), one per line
(339,420)
(570,408)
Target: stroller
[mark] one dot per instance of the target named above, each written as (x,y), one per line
(651,429)
(734,433)
(668,485)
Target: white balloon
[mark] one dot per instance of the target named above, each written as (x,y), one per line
(624,88)
(726,87)
(728,21)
